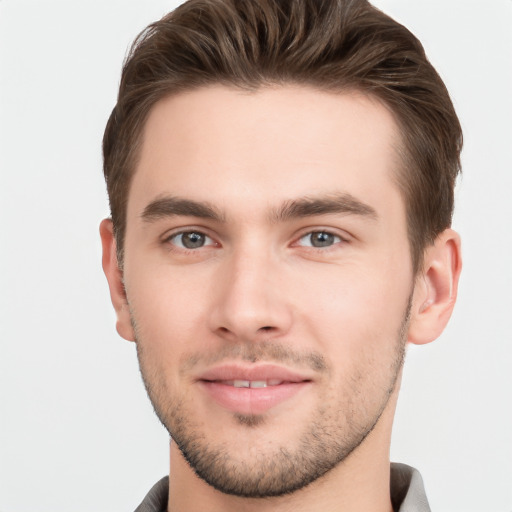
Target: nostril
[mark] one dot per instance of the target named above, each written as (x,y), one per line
(266,328)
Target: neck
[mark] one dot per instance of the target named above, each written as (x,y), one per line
(358,484)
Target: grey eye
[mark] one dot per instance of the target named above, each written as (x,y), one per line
(191,240)
(319,239)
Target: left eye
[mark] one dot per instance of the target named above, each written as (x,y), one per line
(190,240)
(319,239)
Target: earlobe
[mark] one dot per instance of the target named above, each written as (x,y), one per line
(115,281)
(436,289)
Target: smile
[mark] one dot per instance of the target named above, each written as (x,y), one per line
(253,389)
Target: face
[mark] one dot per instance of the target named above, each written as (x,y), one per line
(268,279)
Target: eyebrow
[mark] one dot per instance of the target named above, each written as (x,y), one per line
(323,205)
(170,206)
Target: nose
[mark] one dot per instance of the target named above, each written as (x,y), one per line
(251,302)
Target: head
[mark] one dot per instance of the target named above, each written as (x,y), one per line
(281,178)
(331,45)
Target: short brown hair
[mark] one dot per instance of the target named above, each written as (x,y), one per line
(333,45)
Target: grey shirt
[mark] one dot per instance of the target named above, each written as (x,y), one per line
(407,492)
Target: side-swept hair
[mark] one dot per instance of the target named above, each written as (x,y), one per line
(332,45)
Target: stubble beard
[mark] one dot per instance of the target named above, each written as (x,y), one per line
(332,435)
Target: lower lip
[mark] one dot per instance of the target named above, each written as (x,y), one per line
(252,400)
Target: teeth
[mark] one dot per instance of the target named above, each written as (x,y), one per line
(254,383)
(241,383)
(258,384)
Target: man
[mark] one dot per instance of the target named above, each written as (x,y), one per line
(280,176)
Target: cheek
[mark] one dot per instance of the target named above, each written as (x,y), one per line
(351,312)
(168,308)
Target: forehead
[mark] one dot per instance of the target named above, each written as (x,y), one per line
(237,147)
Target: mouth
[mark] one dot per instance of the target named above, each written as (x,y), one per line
(251,383)
(254,389)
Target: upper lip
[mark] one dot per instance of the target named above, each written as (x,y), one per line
(254,372)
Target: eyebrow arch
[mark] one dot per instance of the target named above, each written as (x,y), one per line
(170,206)
(311,206)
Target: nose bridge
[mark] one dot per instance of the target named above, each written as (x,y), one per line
(251,301)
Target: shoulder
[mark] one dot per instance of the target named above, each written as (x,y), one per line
(156,499)
(407,489)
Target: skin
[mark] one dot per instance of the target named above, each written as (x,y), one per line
(257,290)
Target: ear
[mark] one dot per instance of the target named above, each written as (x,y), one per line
(435,289)
(115,281)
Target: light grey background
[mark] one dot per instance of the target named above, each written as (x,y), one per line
(76,430)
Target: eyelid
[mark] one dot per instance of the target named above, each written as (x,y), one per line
(343,235)
(168,234)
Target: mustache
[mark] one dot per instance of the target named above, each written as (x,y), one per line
(255,352)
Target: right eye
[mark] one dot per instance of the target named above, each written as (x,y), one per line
(190,240)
